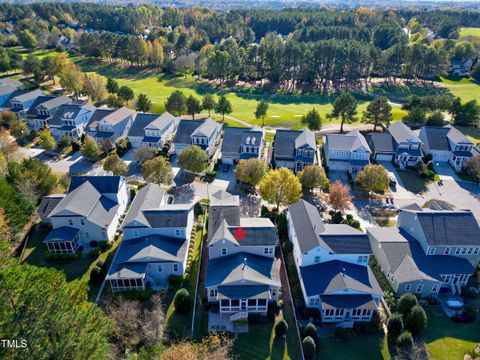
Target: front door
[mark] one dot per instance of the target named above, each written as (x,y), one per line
(243,305)
(348,314)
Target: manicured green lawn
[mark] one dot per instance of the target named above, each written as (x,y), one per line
(260,343)
(74,270)
(470,31)
(464,88)
(361,347)
(446,339)
(176,324)
(412,181)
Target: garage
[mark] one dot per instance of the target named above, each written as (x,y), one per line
(440,156)
(384,157)
(227,160)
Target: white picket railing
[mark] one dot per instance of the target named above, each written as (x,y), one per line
(239,315)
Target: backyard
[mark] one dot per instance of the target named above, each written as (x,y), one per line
(74,270)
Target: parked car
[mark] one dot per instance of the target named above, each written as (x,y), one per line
(392,178)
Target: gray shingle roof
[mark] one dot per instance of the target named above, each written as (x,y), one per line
(408,261)
(332,276)
(223,198)
(68,111)
(286,141)
(402,132)
(49,203)
(336,238)
(243,269)
(118,115)
(449,227)
(435,137)
(11,82)
(347,142)
(259,231)
(381,142)
(140,122)
(348,302)
(32,111)
(456,136)
(244,292)
(55,102)
(29,95)
(4,90)
(63,233)
(103,184)
(223,206)
(206,128)
(185,130)
(235,137)
(163,121)
(98,115)
(149,197)
(127,271)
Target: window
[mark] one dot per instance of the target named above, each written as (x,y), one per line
(82,221)
(159,268)
(475,251)
(312,302)
(317,301)
(177,232)
(464,251)
(135,233)
(213,292)
(457,251)
(435,288)
(408,287)
(363,258)
(470,251)
(224,251)
(419,288)
(274,292)
(70,222)
(175,267)
(268,251)
(431,251)
(446,251)
(317,259)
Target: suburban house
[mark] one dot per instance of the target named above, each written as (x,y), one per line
(408,146)
(7,92)
(332,263)
(294,149)
(347,152)
(90,211)
(446,144)
(110,125)
(382,146)
(43,109)
(241,143)
(461,68)
(70,120)
(429,252)
(46,206)
(242,272)
(14,83)
(23,101)
(203,133)
(152,130)
(156,238)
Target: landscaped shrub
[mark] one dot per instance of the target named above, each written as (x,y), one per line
(405,340)
(272,310)
(309,347)
(94,253)
(59,257)
(337,218)
(96,275)
(416,320)
(93,244)
(406,302)
(282,226)
(310,313)
(287,246)
(104,245)
(182,301)
(264,212)
(281,329)
(175,280)
(211,173)
(395,325)
(310,330)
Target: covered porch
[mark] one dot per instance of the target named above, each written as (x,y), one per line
(350,308)
(130,277)
(244,299)
(63,240)
(458,160)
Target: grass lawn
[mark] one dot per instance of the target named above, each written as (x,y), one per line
(446,339)
(472,133)
(176,324)
(470,31)
(260,343)
(75,270)
(361,347)
(412,181)
(464,88)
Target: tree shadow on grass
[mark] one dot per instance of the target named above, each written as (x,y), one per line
(114,70)
(278,349)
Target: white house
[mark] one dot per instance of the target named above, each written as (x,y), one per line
(347,152)
(446,144)
(203,133)
(407,145)
(43,109)
(90,211)
(241,144)
(332,263)
(70,120)
(155,242)
(110,125)
(152,130)
(21,102)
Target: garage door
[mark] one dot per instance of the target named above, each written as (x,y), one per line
(441,156)
(384,157)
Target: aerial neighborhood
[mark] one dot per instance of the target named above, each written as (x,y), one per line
(193,182)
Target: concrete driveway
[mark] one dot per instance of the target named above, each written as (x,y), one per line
(399,192)
(341,176)
(74,164)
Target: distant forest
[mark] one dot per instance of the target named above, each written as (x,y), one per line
(308,49)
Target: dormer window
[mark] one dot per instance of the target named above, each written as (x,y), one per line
(253,140)
(224,251)
(248,140)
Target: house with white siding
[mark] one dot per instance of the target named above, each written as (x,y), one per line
(203,133)
(22,101)
(70,120)
(446,144)
(429,251)
(152,130)
(242,272)
(90,211)
(407,145)
(156,238)
(347,152)
(110,125)
(332,263)
(43,109)
(242,143)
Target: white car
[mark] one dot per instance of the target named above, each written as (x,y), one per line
(392,178)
